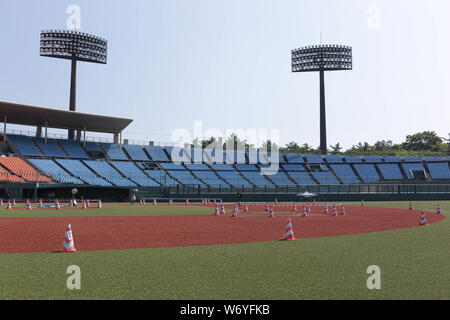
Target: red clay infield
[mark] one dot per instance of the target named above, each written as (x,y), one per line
(111,233)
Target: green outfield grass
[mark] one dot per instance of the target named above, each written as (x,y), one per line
(414,264)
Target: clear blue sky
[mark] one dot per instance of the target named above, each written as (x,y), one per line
(227,63)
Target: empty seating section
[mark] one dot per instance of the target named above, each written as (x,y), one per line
(433,159)
(411,159)
(105,170)
(439,170)
(293,167)
(196,166)
(313,158)
(50,148)
(73,149)
(162,177)
(172,166)
(233,178)
(222,167)
(390,171)
(235,156)
(256,178)
(132,172)
(135,152)
(92,146)
(392,159)
(372,159)
(352,159)
(185,177)
(333,159)
(5,175)
(113,151)
(156,153)
(345,173)
(52,169)
(215,156)
(407,167)
(24,145)
(22,169)
(79,170)
(210,178)
(246,167)
(196,155)
(367,172)
(302,178)
(325,177)
(324,167)
(294,158)
(280,178)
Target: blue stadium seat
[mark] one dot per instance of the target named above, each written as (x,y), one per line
(135,152)
(294,158)
(222,167)
(353,159)
(407,167)
(132,172)
(172,166)
(280,178)
(79,170)
(313,158)
(156,153)
(293,167)
(113,151)
(246,167)
(185,177)
(210,178)
(375,159)
(334,158)
(324,177)
(50,148)
(105,170)
(162,177)
(73,149)
(439,170)
(24,145)
(302,178)
(256,178)
(392,159)
(233,178)
(196,166)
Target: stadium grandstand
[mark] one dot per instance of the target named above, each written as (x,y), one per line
(45,165)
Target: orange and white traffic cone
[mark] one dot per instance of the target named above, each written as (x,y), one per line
(1,202)
(71,203)
(40,203)
(235,212)
(99,204)
(314,202)
(84,205)
(222,209)
(8,206)
(304,211)
(221,201)
(411,205)
(267,207)
(334,212)
(215,202)
(342,211)
(362,204)
(57,206)
(187,202)
(28,207)
(216,211)
(276,201)
(423,219)
(325,209)
(245,207)
(308,208)
(14,202)
(68,244)
(170,202)
(288,231)
(438,209)
(271,214)
(294,207)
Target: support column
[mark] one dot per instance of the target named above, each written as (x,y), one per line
(323,120)
(38,132)
(78,135)
(116,138)
(4,130)
(46,132)
(73,94)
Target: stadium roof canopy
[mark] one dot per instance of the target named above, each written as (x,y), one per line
(15,113)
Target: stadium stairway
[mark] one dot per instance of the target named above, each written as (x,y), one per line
(402,171)
(356,172)
(375,165)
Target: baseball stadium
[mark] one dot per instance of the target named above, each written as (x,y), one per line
(157,220)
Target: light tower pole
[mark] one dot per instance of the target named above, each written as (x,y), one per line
(322,58)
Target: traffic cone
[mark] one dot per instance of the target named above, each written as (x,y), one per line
(215,202)
(1,202)
(216,211)
(314,202)
(71,202)
(84,205)
(8,206)
(57,206)
(308,208)
(68,244)
(362,204)
(423,219)
(288,231)
(28,207)
(222,209)
(325,209)
(271,214)
(294,207)
(235,212)
(99,204)
(14,202)
(40,203)
(342,211)
(267,207)
(334,213)
(245,208)
(304,211)
(276,201)
(410,205)
(88,204)
(438,209)
(170,202)
(187,202)
(221,201)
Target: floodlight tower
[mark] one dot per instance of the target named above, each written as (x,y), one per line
(322,58)
(74,46)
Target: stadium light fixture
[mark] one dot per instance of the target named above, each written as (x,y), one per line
(321,58)
(74,46)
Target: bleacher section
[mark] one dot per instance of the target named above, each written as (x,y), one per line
(439,170)
(407,167)
(390,171)
(367,172)
(345,173)
(50,168)
(72,162)
(22,169)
